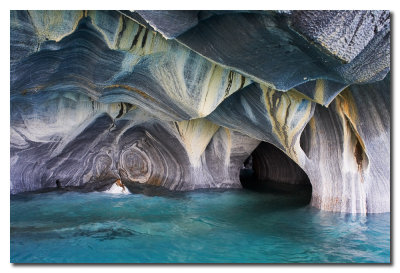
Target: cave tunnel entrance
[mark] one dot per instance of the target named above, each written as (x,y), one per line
(268,169)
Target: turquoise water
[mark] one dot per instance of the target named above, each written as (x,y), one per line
(235,226)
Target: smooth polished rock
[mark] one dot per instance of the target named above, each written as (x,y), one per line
(344,149)
(103,96)
(327,50)
(348,151)
(268,115)
(113,59)
(66,140)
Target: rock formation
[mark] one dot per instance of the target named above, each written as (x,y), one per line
(180,99)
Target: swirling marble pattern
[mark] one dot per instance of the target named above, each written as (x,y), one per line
(136,66)
(343,144)
(281,55)
(267,115)
(105,144)
(180,99)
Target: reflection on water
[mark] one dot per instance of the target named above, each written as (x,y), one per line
(200,226)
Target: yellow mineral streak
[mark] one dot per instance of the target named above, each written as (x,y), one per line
(218,83)
(354,149)
(214,86)
(128,34)
(206,98)
(346,106)
(196,134)
(285,118)
(55,24)
(345,103)
(319,91)
(248,76)
(97,21)
(221,84)
(141,41)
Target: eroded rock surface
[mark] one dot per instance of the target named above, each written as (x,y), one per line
(180,99)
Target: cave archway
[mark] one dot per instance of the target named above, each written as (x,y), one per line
(268,169)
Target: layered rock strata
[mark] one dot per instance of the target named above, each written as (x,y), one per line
(180,99)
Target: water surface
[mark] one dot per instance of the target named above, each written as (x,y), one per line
(233,226)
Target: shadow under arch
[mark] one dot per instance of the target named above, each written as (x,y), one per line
(268,169)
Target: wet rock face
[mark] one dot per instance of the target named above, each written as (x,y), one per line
(180,99)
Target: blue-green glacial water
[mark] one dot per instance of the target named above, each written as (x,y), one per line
(233,226)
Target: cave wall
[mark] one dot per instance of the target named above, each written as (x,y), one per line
(91,151)
(349,142)
(180,99)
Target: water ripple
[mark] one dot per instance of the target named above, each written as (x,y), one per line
(212,227)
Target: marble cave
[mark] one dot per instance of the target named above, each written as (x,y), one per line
(200,136)
(181,99)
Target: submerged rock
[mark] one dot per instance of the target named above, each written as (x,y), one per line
(180,99)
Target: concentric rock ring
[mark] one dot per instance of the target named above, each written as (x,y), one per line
(136,163)
(180,99)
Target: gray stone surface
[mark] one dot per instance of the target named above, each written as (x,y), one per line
(140,97)
(285,50)
(89,145)
(343,33)
(348,151)
(114,60)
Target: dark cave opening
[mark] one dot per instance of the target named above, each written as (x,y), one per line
(270,170)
